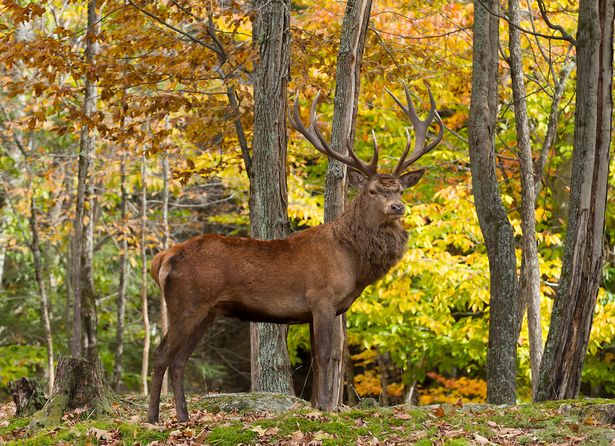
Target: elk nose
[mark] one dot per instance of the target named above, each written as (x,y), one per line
(398,209)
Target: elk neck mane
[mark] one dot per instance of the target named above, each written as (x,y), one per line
(376,248)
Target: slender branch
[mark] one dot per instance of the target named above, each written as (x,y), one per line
(527,31)
(545,17)
(177,30)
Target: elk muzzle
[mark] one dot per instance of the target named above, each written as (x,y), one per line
(397,209)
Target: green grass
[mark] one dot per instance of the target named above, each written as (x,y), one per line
(552,423)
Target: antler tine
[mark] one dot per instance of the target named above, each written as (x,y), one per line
(315,137)
(398,169)
(373,164)
(420,129)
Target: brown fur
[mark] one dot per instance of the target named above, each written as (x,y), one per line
(311,276)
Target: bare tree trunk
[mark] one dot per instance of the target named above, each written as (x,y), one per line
(86,150)
(121,292)
(384,380)
(144,276)
(494,223)
(42,287)
(529,280)
(166,241)
(353,398)
(268,192)
(350,54)
(2,239)
(88,293)
(549,140)
(572,316)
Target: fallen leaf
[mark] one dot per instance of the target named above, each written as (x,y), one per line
(313,415)
(260,431)
(297,436)
(272,431)
(458,403)
(188,432)
(439,412)
(100,434)
(510,432)
(153,427)
(359,422)
(4,423)
(320,435)
(402,416)
(492,423)
(175,433)
(481,440)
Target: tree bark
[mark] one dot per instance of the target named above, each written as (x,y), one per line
(572,315)
(347,85)
(166,241)
(88,293)
(529,280)
(86,151)
(268,191)
(384,380)
(144,277)
(79,384)
(495,226)
(121,292)
(42,287)
(27,396)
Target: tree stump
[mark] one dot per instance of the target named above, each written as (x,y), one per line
(28,396)
(79,384)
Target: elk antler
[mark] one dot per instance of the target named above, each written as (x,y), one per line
(313,135)
(420,130)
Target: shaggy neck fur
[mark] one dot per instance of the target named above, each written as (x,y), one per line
(377,247)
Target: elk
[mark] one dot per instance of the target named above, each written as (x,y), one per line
(310,277)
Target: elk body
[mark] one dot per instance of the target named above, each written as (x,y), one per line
(311,276)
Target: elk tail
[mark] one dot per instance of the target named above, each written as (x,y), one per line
(161,267)
(156,264)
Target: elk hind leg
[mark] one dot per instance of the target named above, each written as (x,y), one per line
(178,365)
(164,355)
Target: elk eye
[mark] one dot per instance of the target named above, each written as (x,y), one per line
(372,192)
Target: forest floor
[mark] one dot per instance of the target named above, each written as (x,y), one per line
(586,422)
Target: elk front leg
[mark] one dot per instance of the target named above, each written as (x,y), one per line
(322,344)
(314,365)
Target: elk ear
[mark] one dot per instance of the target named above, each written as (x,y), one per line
(356,179)
(411,178)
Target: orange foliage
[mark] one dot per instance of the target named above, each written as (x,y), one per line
(450,390)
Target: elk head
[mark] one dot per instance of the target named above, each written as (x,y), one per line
(383,191)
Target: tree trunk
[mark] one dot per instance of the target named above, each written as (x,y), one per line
(42,287)
(529,280)
(88,293)
(494,223)
(384,380)
(79,384)
(86,151)
(27,395)
(347,84)
(572,316)
(144,277)
(268,192)
(166,241)
(121,292)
